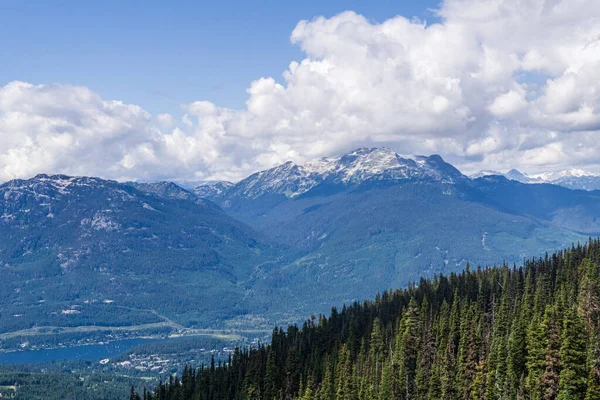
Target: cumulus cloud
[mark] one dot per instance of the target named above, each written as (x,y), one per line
(463,87)
(66,128)
(507,104)
(165,121)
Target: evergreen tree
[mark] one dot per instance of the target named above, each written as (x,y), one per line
(270,392)
(573,374)
(536,358)
(517,354)
(326,389)
(593,386)
(406,350)
(344,376)
(549,384)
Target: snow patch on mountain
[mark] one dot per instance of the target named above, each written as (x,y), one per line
(102,221)
(211,188)
(570,173)
(46,186)
(485,172)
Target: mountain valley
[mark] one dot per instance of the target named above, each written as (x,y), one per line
(93,258)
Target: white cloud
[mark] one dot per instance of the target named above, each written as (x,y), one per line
(66,129)
(456,88)
(507,104)
(165,121)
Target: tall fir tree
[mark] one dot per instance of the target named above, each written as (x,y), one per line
(573,374)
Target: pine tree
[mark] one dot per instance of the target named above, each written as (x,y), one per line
(435,382)
(536,358)
(307,393)
(593,386)
(405,350)
(549,384)
(270,391)
(573,374)
(517,353)
(292,372)
(467,354)
(326,389)
(589,309)
(344,376)
(426,356)
(377,351)
(386,389)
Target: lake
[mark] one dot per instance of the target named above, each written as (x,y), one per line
(87,352)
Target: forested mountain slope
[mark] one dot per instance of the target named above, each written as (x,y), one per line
(78,251)
(372,219)
(494,333)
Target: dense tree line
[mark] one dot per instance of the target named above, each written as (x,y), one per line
(488,333)
(57,384)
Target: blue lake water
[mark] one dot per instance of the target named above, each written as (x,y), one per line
(87,352)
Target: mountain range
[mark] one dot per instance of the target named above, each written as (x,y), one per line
(275,247)
(572,178)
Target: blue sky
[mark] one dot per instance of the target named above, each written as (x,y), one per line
(160,54)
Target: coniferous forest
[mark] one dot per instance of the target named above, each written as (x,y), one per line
(510,332)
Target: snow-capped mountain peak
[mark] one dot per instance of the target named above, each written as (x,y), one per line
(366,161)
(516,175)
(569,173)
(355,167)
(513,175)
(574,178)
(485,172)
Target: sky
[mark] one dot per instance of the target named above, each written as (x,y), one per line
(196,91)
(160,54)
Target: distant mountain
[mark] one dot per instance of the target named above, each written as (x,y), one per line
(513,175)
(357,167)
(278,245)
(518,176)
(169,190)
(371,219)
(211,189)
(564,174)
(485,172)
(572,179)
(560,207)
(77,250)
